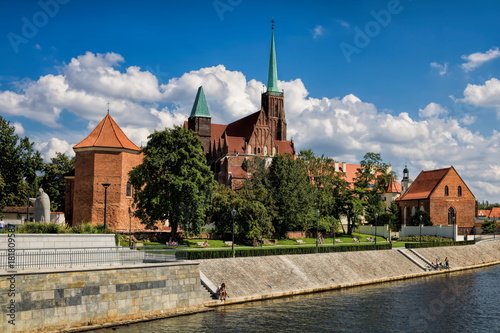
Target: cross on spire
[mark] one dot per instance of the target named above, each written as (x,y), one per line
(272,22)
(108,107)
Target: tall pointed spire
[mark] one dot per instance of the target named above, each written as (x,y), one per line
(200,107)
(272,80)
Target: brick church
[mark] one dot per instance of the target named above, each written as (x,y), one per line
(262,133)
(441,193)
(104,158)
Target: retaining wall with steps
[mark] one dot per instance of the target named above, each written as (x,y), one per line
(254,278)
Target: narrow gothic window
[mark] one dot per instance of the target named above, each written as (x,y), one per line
(446,191)
(129,189)
(459,190)
(451,216)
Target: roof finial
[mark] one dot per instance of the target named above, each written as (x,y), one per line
(108,107)
(272,22)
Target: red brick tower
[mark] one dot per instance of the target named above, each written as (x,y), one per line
(104,157)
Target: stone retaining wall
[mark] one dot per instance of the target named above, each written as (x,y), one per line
(274,276)
(52,301)
(43,241)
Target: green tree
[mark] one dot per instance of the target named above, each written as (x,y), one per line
(19,163)
(52,181)
(489,226)
(173,182)
(292,192)
(420,216)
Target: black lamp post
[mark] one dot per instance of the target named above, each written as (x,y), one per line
(376,217)
(105,185)
(334,229)
(317,233)
(420,228)
(233,213)
(28,206)
(130,227)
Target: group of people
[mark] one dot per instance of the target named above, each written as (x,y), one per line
(222,292)
(438,265)
(321,240)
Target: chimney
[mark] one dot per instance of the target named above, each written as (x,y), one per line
(336,166)
(344,166)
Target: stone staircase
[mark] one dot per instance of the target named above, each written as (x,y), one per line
(209,287)
(416,258)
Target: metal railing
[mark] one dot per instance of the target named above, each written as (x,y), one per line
(95,256)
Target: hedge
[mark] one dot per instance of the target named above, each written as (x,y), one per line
(274,251)
(437,244)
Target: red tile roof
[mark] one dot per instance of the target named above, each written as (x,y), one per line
(483,212)
(425,184)
(18,210)
(243,127)
(238,172)
(285,147)
(393,187)
(494,213)
(107,134)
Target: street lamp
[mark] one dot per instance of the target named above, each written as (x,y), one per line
(317,235)
(28,206)
(105,185)
(376,217)
(233,213)
(130,227)
(334,229)
(420,228)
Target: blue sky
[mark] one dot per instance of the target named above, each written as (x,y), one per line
(416,81)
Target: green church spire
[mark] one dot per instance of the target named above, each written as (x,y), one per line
(200,107)
(272,80)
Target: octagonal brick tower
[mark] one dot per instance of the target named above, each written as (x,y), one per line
(105,156)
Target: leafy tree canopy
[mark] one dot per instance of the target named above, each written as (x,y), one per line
(19,163)
(53,182)
(174,182)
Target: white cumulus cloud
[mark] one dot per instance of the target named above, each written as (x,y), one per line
(432,110)
(476,59)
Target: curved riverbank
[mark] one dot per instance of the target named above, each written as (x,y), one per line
(257,278)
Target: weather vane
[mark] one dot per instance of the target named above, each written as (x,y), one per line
(108,107)
(273,21)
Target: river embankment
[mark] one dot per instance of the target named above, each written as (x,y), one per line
(257,278)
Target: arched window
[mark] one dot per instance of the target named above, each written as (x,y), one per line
(459,191)
(446,190)
(451,216)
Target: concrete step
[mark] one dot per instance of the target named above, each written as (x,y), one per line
(415,258)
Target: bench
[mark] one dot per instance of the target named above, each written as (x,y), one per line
(338,240)
(228,243)
(300,241)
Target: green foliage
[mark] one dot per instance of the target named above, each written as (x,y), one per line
(489,226)
(426,239)
(257,252)
(43,228)
(438,244)
(53,182)
(19,163)
(174,182)
(420,216)
(52,228)
(292,192)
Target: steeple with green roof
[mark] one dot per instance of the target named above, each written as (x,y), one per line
(272,80)
(200,107)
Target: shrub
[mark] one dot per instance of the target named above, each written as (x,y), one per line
(257,252)
(437,244)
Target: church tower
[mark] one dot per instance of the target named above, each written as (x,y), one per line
(200,120)
(406,181)
(273,99)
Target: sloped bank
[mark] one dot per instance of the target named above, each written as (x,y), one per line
(257,278)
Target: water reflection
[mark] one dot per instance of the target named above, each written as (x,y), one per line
(465,302)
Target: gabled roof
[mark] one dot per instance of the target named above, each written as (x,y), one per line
(243,127)
(425,184)
(107,134)
(200,107)
(494,213)
(483,212)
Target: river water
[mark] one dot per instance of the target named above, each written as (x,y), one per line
(453,302)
